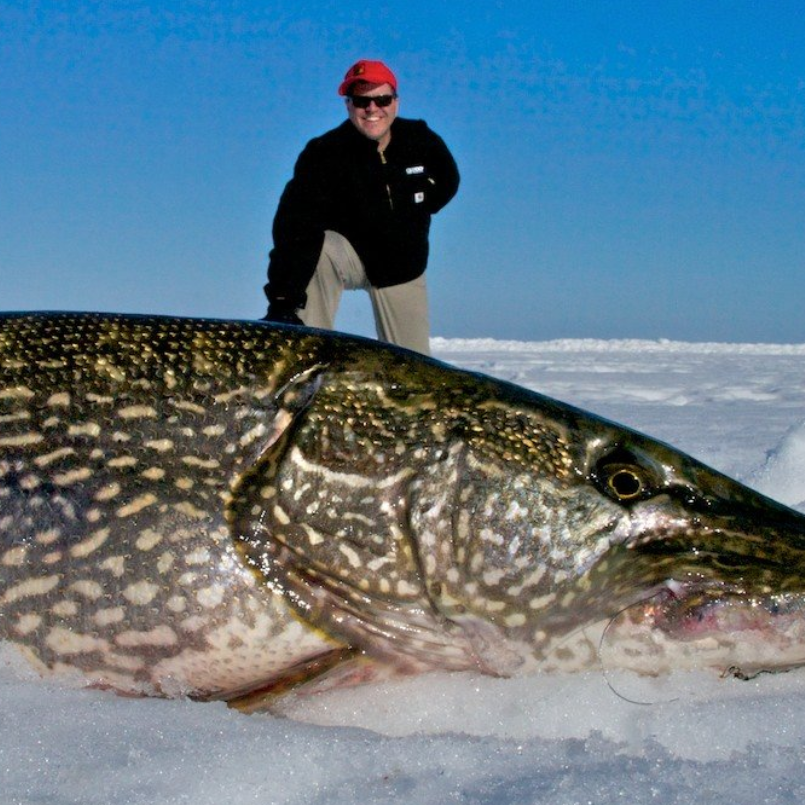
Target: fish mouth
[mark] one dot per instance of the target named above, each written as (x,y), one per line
(692,613)
(694,626)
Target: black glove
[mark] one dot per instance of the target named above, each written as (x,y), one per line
(281,312)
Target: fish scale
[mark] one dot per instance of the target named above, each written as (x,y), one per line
(235,509)
(116,466)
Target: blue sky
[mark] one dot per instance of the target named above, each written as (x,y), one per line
(630,169)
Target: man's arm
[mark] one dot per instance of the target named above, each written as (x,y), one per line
(442,172)
(298,233)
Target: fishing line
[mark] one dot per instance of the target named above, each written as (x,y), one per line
(604,670)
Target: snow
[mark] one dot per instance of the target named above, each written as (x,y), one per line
(600,737)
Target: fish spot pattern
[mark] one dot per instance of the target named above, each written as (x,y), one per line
(204,507)
(140,415)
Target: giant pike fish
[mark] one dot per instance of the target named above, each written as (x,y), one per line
(229,510)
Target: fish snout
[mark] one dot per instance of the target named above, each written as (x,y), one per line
(723,587)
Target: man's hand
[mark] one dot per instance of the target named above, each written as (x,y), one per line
(282,312)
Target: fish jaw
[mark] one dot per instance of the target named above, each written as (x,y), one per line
(734,597)
(684,629)
(711,580)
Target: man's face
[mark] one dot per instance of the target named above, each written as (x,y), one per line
(374,121)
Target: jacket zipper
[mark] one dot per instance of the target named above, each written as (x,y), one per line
(388,189)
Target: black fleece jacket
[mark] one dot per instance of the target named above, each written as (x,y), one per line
(382,204)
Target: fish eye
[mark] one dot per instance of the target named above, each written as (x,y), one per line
(621,477)
(624,483)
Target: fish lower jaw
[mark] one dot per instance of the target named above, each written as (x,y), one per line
(684,628)
(656,655)
(735,638)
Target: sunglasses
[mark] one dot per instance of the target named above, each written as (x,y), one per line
(363,101)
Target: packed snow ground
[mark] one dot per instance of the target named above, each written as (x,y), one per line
(464,738)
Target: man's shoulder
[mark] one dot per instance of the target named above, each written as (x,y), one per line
(337,137)
(410,126)
(414,133)
(326,151)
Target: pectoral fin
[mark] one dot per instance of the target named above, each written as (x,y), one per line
(298,677)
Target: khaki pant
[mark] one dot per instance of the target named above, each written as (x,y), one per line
(401,311)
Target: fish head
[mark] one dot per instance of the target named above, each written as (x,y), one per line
(718,569)
(585,542)
(470,523)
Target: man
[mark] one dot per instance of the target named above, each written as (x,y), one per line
(356,215)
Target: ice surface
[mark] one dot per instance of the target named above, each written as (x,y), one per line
(460,737)
(781,477)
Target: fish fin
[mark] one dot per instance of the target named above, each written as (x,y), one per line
(291,401)
(253,486)
(340,668)
(301,676)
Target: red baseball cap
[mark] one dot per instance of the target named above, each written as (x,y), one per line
(373,72)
